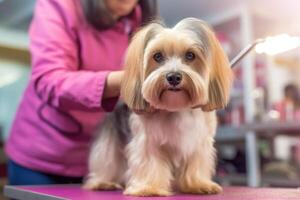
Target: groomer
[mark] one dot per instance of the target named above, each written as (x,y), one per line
(77,49)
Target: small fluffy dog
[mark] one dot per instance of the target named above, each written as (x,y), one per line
(174,80)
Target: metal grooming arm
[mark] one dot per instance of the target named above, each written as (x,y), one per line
(244,52)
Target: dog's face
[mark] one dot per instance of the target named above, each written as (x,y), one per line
(175,69)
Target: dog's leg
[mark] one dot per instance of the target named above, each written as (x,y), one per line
(107,164)
(196,173)
(149,173)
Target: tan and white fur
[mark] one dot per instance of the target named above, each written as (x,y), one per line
(175,79)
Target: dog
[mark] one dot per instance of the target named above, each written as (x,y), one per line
(175,79)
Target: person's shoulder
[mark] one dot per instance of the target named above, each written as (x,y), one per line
(66,4)
(68,9)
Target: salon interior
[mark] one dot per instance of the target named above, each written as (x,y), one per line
(258,136)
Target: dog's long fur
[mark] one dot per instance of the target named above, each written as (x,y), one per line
(169,145)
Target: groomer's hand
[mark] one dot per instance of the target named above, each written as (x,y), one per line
(113,84)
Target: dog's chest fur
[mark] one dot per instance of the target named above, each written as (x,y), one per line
(176,135)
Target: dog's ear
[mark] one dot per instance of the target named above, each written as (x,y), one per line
(220,78)
(131,87)
(220,73)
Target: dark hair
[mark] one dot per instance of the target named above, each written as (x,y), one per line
(291,91)
(100,18)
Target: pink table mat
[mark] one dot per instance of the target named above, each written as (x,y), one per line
(230,193)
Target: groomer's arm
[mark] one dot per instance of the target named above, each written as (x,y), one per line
(58,78)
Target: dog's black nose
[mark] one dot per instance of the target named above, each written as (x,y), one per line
(174,78)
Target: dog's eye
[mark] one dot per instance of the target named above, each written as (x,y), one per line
(158,57)
(189,56)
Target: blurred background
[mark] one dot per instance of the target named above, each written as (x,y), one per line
(258,137)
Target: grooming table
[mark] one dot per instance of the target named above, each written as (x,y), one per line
(55,192)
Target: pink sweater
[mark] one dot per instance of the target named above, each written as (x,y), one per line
(70,63)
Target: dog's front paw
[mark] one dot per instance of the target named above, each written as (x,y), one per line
(94,184)
(211,188)
(146,191)
(203,187)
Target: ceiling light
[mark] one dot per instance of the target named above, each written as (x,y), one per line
(277,44)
